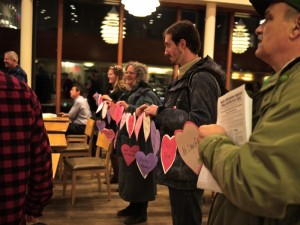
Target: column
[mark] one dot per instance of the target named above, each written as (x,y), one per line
(26,38)
(209,34)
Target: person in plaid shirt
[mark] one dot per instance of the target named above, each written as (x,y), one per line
(25,154)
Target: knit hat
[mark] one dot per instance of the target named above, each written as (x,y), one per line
(262,5)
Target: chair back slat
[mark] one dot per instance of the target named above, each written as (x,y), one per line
(102,141)
(89,127)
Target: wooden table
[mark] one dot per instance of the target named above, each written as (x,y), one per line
(57,141)
(56,119)
(56,127)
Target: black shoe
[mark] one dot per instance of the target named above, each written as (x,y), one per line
(135,219)
(128,211)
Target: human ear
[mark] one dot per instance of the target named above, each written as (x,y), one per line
(296,27)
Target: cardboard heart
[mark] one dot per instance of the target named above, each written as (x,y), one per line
(99,107)
(145,163)
(187,141)
(129,153)
(100,124)
(155,137)
(104,109)
(146,126)
(118,112)
(138,126)
(109,133)
(168,152)
(130,124)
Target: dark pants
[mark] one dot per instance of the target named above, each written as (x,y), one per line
(186,206)
(75,129)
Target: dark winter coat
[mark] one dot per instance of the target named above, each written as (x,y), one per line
(132,185)
(192,98)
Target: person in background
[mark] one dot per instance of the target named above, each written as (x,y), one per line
(192,96)
(133,187)
(79,113)
(67,84)
(94,85)
(260,179)
(115,78)
(11,60)
(43,85)
(25,155)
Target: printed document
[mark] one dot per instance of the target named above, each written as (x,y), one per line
(235,116)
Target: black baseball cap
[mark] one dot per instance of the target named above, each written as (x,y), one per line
(261,5)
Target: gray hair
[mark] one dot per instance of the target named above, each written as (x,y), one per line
(141,71)
(12,55)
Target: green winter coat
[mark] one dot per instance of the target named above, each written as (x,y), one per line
(260,180)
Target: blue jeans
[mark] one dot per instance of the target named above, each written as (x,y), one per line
(186,206)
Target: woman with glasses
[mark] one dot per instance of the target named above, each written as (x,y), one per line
(133,187)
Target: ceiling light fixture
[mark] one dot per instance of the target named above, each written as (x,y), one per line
(110,27)
(240,38)
(140,8)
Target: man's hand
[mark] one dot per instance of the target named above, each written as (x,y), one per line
(206,130)
(151,110)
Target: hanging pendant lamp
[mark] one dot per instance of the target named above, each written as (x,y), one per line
(240,38)
(110,27)
(140,8)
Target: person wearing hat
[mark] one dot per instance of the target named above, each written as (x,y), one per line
(260,180)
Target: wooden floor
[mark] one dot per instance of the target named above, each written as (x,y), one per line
(93,208)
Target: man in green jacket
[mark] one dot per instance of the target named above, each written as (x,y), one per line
(260,180)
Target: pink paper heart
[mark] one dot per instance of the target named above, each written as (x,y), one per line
(100,124)
(130,124)
(109,133)
(123,119)
(168,152)
(145,163)
(155,137)
(138,125)
(118,112)
(187,141)
(129,153)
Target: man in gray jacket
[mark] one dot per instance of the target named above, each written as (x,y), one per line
(79,113)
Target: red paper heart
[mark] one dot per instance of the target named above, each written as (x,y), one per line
(168,152)
(129,152)
(130,124)
(109,133)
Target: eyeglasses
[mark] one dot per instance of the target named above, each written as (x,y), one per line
(129,73)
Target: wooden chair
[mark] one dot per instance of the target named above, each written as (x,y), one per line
(77,145)
(89,166)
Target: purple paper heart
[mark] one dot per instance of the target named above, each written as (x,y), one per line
(145,163)
(108,117)
(100,124)
(155,137)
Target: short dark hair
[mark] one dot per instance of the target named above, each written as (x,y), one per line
(185,30)
(78,87)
